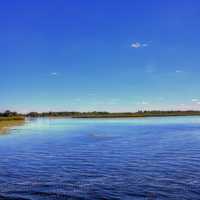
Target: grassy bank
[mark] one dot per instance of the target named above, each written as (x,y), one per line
(8,122)
(13,118)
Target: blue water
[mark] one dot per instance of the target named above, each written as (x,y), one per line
(128,159)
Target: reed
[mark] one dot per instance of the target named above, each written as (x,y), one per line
(8,122)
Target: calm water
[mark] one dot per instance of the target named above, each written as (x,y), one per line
(128,159)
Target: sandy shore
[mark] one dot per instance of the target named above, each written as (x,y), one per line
(7,124)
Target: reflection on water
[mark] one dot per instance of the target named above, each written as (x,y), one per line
(5,126)
(151,158)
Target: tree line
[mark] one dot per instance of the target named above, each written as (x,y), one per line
(9,113)
(96,114)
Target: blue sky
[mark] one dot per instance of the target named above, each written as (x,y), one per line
(99,55)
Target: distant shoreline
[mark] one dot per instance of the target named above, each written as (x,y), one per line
(8,115)
(110,117)
(121,117)
(11,121)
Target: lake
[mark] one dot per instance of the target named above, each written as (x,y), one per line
(129,159)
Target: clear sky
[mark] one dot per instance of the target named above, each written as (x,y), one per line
(109,55)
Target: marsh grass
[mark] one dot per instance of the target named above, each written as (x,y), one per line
(8,122)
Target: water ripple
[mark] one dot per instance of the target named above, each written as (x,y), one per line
(101,160)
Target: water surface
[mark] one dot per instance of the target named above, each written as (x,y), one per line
(128,159)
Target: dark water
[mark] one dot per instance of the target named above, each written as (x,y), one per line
(133,159)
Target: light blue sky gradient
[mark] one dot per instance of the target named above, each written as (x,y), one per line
(99,55)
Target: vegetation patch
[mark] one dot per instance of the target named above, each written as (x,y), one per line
(10,119)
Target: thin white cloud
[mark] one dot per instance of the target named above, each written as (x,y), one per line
(137,45)
(195,100)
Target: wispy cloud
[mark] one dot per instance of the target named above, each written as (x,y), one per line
(137,45)
(195,100)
